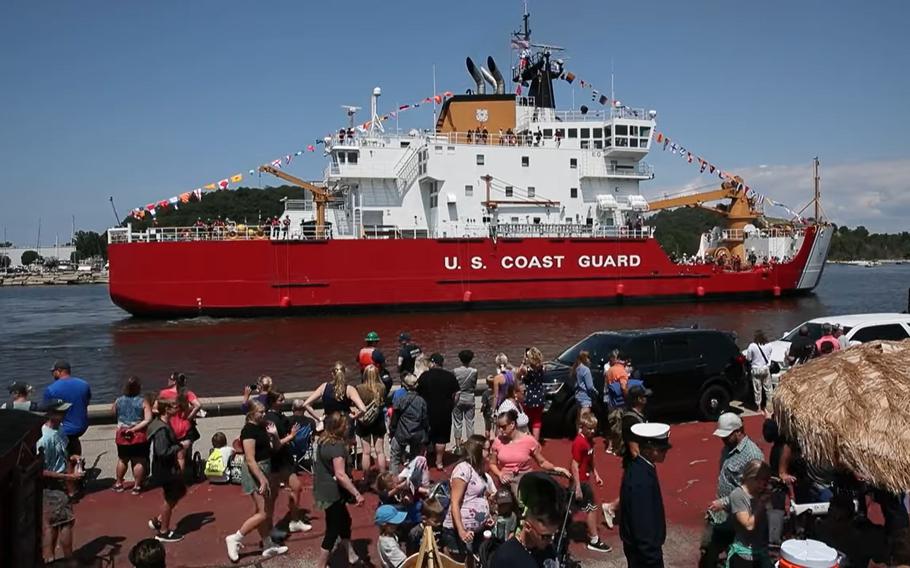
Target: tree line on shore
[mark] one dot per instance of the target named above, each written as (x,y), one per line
(676,230)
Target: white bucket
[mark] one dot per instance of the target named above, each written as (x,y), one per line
(808,554)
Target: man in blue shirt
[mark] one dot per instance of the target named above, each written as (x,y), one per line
(76,392)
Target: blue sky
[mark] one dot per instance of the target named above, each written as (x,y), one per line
(144,100)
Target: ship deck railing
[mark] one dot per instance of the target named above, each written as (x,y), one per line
(740,235)
(569,230)
(238,232)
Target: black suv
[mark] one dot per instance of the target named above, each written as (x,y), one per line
(691,371)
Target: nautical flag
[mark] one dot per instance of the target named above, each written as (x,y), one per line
(660,137)
(173,200)
(150,206)
(287,159)
(447,94)
(666,141)
(198,194)
(209,186)
(689,157)
(404,107)
(152,211)
(518,90)
(603,99)
(581,82)
(711,168)
(761,199)
(298,152)
(704,165)
(223,184)
(437,99)
(185,197)
(518,43)
(276,163)
(311,148)
(252,172)
(570,77)
(236,178)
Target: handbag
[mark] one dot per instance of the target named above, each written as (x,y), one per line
(369,415)
(123,437)
(773,366)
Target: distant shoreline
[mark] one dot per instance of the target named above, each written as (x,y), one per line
(66,279)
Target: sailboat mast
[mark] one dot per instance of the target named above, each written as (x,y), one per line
(817,192)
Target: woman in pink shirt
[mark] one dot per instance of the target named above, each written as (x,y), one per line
(513,451)
(182,422)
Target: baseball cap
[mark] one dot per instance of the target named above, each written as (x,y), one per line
(639,391)
(378,357)
(61,364)
(728,423)
(389,515)
(404,336)
(18,386)
(437,359)
(55,405)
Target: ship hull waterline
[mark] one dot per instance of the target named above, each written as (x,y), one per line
(257,277)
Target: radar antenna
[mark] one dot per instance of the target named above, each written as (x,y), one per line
(351,111)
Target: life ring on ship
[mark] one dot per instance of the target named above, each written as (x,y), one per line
(232,234)
(721,253)
(598,154)
(259,233)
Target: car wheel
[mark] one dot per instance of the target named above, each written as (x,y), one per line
(714,400)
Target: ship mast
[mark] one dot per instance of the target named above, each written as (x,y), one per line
(817,191)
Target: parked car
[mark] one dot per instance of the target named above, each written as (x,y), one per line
(858,328)
(692,371)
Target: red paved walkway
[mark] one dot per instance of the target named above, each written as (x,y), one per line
(108,524)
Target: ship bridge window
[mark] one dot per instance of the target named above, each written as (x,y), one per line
(598,133)
(548,133)
(598,144)
(633,130)
(536,220)
(573,163)
(633,142)
(405,144)
(469,191)
(573,192)
(573,133)
(585,132)
(622,130)
(437,149)
(352,157)
(532,191)
(509,191)
(525,161)
(480,159)
(585,144)
(622,141)
(341,157)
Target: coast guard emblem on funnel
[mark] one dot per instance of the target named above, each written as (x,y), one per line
(482,115)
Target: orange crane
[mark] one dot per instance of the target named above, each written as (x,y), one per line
(320,196)
(739,212)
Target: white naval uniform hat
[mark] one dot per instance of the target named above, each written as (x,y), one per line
(654,433)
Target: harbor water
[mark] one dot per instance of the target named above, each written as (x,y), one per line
(105,345)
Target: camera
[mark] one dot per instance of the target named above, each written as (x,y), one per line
(254,387)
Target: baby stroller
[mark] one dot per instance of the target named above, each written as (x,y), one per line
(538,491)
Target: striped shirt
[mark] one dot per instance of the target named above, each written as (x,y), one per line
(732,463)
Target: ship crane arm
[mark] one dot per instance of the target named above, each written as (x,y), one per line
(320,196)
(694,199)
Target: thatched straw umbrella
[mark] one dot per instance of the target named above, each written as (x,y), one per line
(852,409)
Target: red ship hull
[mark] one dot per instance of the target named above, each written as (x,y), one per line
(261,276)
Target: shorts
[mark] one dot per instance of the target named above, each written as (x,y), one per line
(74,446)
(375,429)
(174,490)
(133,451)
(535,416)
(587,502)
(57,508)
(449,539)
(248,481)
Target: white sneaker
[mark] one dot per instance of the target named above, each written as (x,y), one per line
(299,526)
(609,515)
(232,541)
(274,550)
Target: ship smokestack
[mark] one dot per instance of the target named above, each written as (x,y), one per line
(489,77)
(478,78)
(497,76)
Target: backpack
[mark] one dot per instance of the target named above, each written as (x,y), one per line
(214,464)
(301,446)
